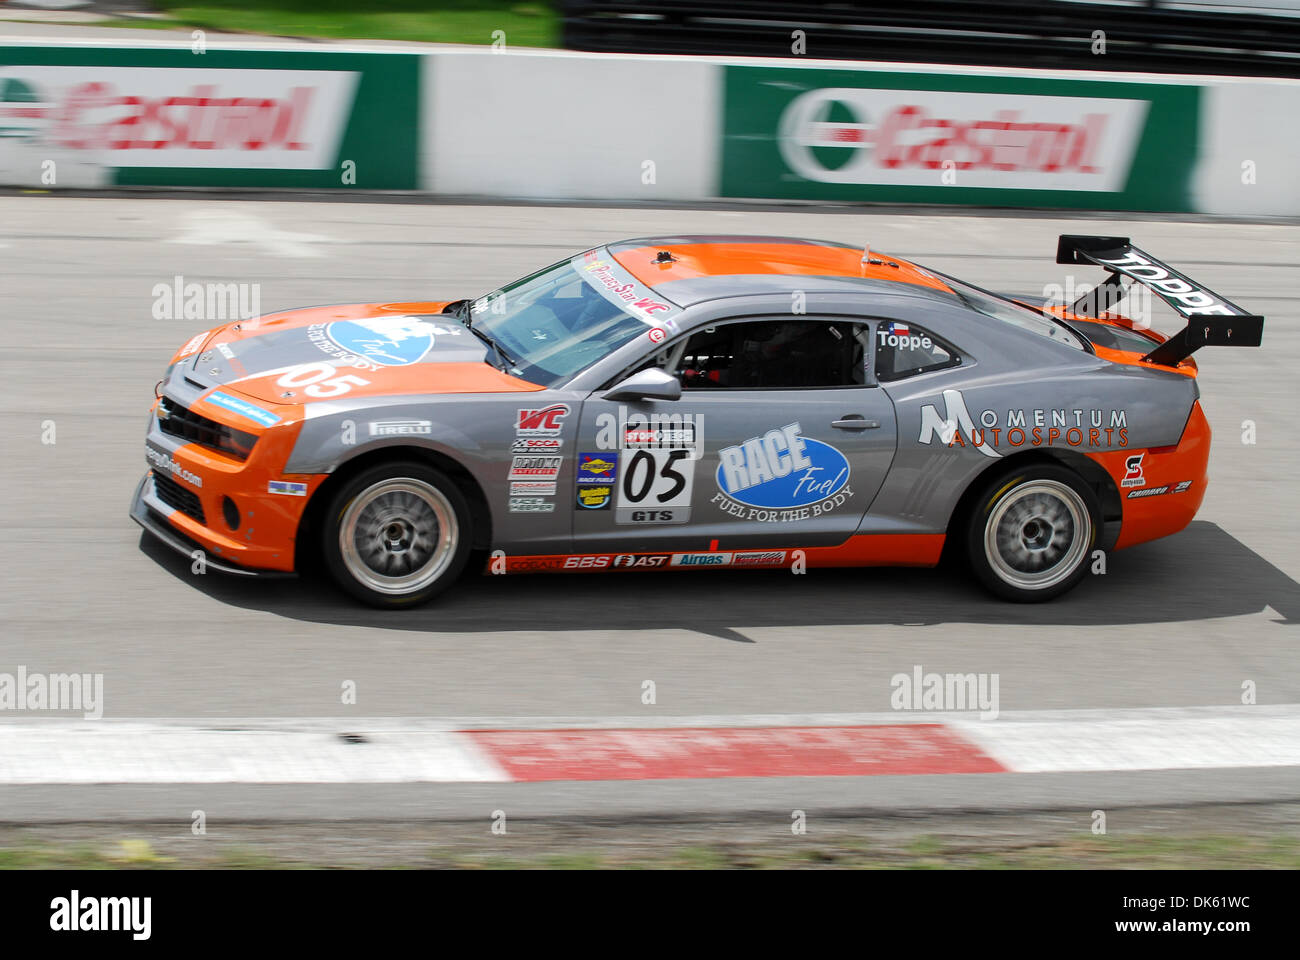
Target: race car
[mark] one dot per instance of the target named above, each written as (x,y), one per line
(680,403)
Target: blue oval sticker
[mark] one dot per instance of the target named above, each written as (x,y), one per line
(390,341)
(765,472)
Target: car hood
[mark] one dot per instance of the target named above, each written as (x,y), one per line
(358,349)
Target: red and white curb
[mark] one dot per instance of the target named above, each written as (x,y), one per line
(383,750)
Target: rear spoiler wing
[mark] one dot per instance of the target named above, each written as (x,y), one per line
(1212,320)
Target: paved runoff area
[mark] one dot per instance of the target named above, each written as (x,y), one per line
(1172,678)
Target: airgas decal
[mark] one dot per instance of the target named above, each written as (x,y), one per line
(781,476)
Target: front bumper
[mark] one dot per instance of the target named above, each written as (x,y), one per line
(244,513)
(145,511)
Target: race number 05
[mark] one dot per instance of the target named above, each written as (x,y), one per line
(640,479)
(319,380)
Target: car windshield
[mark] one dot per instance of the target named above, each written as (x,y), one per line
(562,319)
(1008,311)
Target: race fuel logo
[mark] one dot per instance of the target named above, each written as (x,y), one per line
(781,476)
(388,341)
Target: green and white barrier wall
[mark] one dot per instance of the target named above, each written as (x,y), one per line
(557,125)
(84,115)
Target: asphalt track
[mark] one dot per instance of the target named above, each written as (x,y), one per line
(1182,622)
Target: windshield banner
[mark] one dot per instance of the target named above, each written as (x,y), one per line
(622,289)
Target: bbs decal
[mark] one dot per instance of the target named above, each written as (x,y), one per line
(655,486)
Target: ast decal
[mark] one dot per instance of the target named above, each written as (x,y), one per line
(639,561)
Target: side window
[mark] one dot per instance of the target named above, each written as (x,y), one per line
(904,350)
(774,354)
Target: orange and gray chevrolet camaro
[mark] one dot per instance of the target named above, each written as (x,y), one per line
(680,403)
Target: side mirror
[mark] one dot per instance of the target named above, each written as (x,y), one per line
(652,384)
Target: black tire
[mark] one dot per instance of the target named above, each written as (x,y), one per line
(1031,532)
(397,534)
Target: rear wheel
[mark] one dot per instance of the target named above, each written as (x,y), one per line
(1031,532)
(397,534)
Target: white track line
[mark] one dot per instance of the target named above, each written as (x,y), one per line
(402,750)
(113,752)
(1149,743)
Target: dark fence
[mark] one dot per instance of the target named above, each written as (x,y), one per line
(1145,36)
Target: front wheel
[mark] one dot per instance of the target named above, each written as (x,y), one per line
(1031,533)
(397,534)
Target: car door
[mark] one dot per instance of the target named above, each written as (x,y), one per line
(780,439)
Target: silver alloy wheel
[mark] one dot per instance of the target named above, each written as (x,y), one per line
(398,535)
(1037,534)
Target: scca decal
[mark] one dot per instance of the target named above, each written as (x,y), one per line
(536,445)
